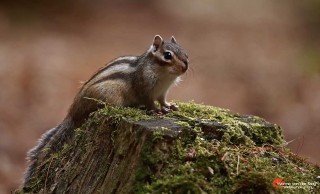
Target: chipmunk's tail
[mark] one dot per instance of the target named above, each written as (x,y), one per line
(55,137)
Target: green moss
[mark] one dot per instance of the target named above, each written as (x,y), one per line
(214,168)
(246,157)
(159,133)
(127,113)
(215,151)
(228,127)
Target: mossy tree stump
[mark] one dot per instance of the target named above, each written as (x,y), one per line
(198,149)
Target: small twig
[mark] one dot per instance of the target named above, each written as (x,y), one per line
(287,143)
(97,100)
(224,156)
(238,163)
(300,145)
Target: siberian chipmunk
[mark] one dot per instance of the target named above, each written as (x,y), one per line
(126,81)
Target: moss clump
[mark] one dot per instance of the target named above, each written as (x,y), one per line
(211,167)
(127,113)
(228,127)
(224,152)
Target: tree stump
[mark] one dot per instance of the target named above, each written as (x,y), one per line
(198,149)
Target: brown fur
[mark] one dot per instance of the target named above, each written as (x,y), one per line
(127,81)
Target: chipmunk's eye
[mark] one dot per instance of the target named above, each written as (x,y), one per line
(167,55)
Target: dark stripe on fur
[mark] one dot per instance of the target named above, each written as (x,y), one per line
(114,76)
(132,63)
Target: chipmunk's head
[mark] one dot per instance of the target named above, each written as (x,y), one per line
(169,55)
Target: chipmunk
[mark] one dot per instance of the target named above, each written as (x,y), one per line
(126,81)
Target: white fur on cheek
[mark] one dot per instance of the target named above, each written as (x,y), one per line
(163,84)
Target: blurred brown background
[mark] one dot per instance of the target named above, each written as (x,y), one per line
(252,57)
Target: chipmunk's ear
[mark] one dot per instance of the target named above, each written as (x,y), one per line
(173,40)
(157,42)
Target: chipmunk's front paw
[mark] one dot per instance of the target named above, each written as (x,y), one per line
(174,107)
(168,108)
(154,112)
(165,109)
